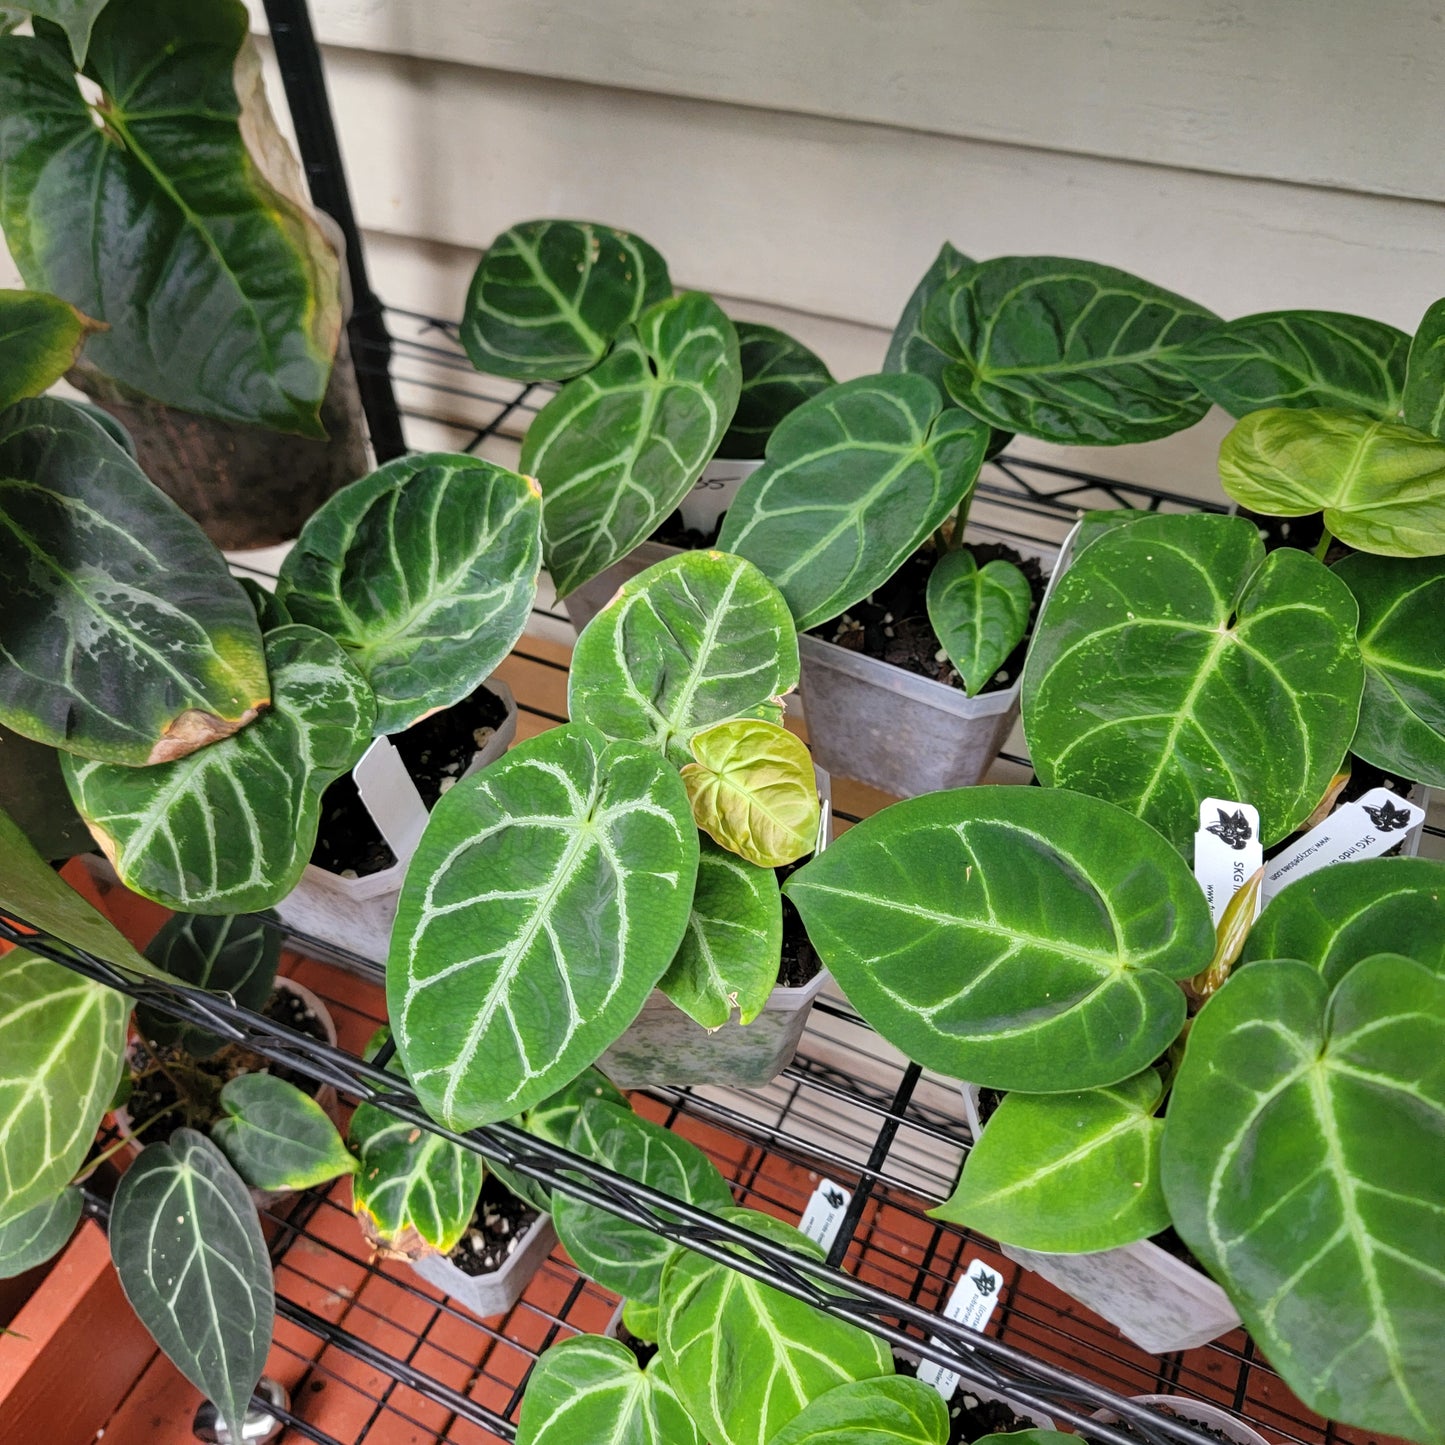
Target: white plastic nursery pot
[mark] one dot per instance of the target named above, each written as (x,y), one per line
(1154,1299)
(355,915)
(325,1095)
(665,1046)
(1194,1412)
(492,1294)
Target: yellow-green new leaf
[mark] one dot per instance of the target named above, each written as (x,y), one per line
(40,337)
(753,790)
(62,1047)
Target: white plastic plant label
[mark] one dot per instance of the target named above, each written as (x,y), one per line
(391,797)
(713,492)
(1366,828)
(823,1217)
(972,1303)
(1227,851)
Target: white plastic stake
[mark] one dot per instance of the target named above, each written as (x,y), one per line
(823,1217)
(972,1303)
(391,797)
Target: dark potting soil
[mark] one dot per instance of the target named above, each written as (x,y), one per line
(969,1418)
(436,752)
(674,532)
(499,1223)
(204,1079)
(644,1350)
(892,623)
(800,963)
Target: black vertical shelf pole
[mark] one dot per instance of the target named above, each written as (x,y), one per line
(305,83)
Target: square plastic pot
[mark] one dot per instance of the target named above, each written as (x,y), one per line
(488,1295)
(1195,1412)
(355,915)
(665,1046)
(1159,1302)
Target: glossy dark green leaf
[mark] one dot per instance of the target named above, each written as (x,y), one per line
(779,375)
(1067,351)
(1381,486)
(31,890)
(1336,917)
(75,17)
(229,828)
(234,954)
(1067,1173)
(623,1257)
(549,297)
(979,613)
(220,292)
(1303,1167)
(271,613)
(548,895)
(62,1043)
(753,790)
(40,337)
(909,349)
(1299,359)
(894,1411)
(188,1249)
(591,1390)
(616,450)
(731,953)
(33,1237)
(123,636)
(277,1137)
(694,640)
(1424,401)
(1402,641)
(745,1359)
(34,795)
(1023,938)
(1176,662)
(855,480)
(425,571)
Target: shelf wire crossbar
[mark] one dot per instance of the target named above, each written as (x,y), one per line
(978,1359)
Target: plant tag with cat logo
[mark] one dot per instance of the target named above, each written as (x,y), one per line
(391,797)
(1227,851)
(1366,828)
(972,1303)
(823,1217)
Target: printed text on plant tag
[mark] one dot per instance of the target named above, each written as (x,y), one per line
(823,1217)
(1366,828)
(1227,851)
(972,1303)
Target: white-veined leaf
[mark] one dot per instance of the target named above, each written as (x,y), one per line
(979,613)
(33,1237)
(778,375)
(895,1411)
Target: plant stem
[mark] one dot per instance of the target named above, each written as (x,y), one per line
(136,1131)
(1324,545)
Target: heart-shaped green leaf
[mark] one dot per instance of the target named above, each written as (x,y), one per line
(694,640)
(548,895)
(33,1237)
(591,1389)
(1424,400)
(75,17)
(1302,1165)
(855,480)
(425,572)
(232,954)
(893,1411)
(617,449)
(40,337)
(188,1249)
(549,297)
(1380,485)
(909,349)
(1299,359)
(1402,713)
(229,828)
(1336,917)
(1023,938)
(276,1137)
(1176,662)
(745,1359)
(753,790)
(622,1257)
(124,636)
(62,1045)
(149,213)
(778,375)
(1067,351)
(732,950)
(1067,1173)
(979,613)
